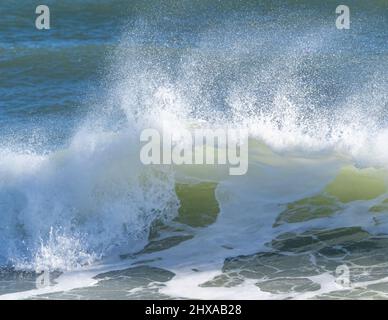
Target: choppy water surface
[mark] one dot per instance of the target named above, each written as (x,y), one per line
(309,219)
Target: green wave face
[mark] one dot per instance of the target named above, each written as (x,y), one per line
(354,184)
(198,204)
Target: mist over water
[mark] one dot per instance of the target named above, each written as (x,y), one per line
(74,99)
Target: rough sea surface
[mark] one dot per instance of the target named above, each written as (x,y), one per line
(309,220)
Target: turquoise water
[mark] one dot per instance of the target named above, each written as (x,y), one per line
(76,201)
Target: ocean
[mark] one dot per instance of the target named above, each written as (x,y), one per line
(81,217)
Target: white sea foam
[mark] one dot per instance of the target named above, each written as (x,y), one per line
(66,209)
